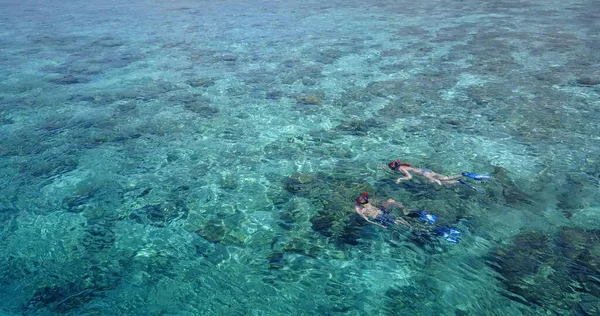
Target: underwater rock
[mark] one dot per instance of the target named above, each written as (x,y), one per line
(105,276)
(323,137)
(350,232)
(298,183)
(413,300)
(386,88)
(8,219)
(93,191)
(308,99)
(201,83)
(309,71)
(98,235)
(553,77)
(213,231)
(509,190)
(77,203)
(588,81)
(200,108)
(277,196)
(323,224)
(399,109)
(336,218)
(524,256)
(226,58)
(290,64)
(327,56)
(274,95)
(124,109)
(160,215)
(276,260)
(589,305)
(289,216)
(485,95)
(358,127)
(354,127)
(309,81)
(569,202)
(68,80)
(553,276)
(6,120)
(156,263)
(145,192)
(58,298)
(228,182)
(576,243)
(453,122)
(50,165)
(302,246)
(575,193)
(582,250)
(520,263)
(352,95)
(339,224)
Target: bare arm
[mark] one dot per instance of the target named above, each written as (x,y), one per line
(372,222)
(407,174)
(359,211)
(389,202)
(401,220)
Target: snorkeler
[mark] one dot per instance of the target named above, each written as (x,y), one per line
(380,215)
(431,176)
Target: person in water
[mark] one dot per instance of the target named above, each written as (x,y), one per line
(431,176)
(380,215)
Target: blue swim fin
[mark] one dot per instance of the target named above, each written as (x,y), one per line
(470,186)
(429,218)
(450,235)
(478,177)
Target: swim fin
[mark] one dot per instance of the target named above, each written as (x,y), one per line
(471,187)
(451,235)
(474,176)
(429,218)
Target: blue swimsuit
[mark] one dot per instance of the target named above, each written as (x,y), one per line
(385,218)
(425,170)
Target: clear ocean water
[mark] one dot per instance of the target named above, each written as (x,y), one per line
(202,157)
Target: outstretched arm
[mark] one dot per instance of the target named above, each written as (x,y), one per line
(401,220)
(358,210)
(407,174)
(389,202)
(372,222)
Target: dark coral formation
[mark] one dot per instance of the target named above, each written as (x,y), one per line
(160,215)
(561,274)
(99,235)
(308,99)
(214,231)
(332,195)
(408,300)
(58,298)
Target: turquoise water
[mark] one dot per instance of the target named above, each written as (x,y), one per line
(202,157)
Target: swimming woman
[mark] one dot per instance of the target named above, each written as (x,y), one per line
(431,176)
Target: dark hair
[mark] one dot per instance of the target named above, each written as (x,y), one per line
(395,164)
(362,200)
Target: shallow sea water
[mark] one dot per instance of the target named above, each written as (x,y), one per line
(202,157)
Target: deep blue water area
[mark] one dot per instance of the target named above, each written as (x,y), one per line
(203,157)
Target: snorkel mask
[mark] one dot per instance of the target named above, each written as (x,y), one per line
(364,197)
